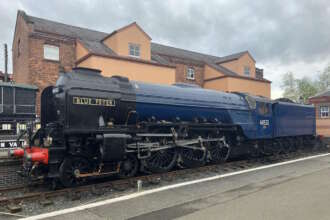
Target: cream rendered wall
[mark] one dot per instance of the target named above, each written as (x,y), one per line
(210,72)
(230,84)
(81,51)
(219,84)
(250,86)
(238,65)
(119,42)
(133,70)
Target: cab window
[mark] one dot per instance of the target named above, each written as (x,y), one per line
(263,108)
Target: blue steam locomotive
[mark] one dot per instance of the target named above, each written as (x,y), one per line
(93,125)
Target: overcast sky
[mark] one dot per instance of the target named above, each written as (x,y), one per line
(282,36)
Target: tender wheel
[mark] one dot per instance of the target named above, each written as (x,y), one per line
(219,151)
(286,146)
(267,149)
(192,158)
(129,166)
(162,161)
(69,170)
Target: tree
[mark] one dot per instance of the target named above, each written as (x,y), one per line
(324,80)
(306,89)
(299,90)
(289,84)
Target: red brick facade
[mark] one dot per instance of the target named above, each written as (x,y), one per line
(20,53)
(182,66)
(322,123)
(28,58)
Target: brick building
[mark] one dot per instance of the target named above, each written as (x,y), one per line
(42,48)
(321,102)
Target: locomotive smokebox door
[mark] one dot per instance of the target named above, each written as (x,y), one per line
(113,147)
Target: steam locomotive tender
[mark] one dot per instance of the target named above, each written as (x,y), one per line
(93,125)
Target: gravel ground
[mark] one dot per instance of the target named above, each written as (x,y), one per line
(61,202)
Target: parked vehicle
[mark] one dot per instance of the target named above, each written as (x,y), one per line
(93,125)
(17,109)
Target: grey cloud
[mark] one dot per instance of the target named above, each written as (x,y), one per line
(270,30)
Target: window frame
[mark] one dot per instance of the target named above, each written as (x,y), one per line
(264,108)
(50,46)
(190,70)
(249,71)
(136,50)
(325,112)
(6,127)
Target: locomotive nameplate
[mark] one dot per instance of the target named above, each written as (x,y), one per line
(93,101)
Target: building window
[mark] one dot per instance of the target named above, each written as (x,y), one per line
(263,108)
(19,47)
(191,73)
(134,50)
(6,127)
(247,71)
(324,111)
(51,52)
(21,127)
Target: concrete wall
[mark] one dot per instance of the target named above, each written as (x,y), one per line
(133,70)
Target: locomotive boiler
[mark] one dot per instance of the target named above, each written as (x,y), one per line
(93,126)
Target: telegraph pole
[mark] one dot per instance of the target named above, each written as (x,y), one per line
(6,63)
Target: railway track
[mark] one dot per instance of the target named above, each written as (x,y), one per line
(8,175)
(13,197)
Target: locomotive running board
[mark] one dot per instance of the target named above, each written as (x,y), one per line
(154,146)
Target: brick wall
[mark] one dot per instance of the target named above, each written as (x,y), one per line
(181,69)
(317,108)
(181,74)
(44,72)
(20,51)
(29,65)
(322,124)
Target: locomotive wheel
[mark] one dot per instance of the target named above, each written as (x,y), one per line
(162,161)
(286,146)
(190,158)
(219,152)
(71,166)
(129,166)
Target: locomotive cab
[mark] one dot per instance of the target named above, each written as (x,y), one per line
(264,119)
(263,116)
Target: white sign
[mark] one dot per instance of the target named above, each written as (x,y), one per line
(264,122)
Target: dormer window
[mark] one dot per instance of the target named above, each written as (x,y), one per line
(134,50)
(247,71)
(191,73)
